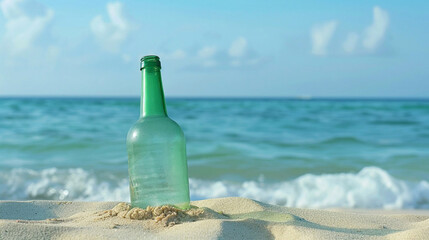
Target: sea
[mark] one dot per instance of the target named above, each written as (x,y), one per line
(307,153)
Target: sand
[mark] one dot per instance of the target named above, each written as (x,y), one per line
(225,218)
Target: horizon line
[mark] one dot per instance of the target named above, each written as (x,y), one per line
(304,97)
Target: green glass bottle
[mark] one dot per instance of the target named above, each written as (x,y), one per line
(156,148)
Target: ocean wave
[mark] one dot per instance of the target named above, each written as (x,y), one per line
(342,140)
(62,184)
(395,122)
(371,187)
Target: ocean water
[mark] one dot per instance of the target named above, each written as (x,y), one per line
(316,153)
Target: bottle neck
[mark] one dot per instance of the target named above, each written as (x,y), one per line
(152,101)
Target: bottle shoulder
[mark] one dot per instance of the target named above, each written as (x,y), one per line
(155,129)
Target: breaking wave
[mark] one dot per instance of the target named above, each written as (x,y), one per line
(372,187)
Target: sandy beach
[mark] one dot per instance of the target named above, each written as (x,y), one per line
(224,218)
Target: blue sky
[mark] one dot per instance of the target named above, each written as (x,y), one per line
(216,48)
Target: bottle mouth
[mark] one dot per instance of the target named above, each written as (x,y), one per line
(149,61)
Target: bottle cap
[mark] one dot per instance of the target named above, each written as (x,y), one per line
(149,61)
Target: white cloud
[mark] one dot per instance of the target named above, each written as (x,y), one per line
(206,54)
(240,54)
(238,48)
(53,51)
(321,36)
(177,54)
(126,57)
(351,42)
(374,34)
(111,34)
(236,55)
(25,23)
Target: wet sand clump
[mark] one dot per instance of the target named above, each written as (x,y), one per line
(166,215)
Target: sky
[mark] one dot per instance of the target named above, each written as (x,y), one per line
(216,48)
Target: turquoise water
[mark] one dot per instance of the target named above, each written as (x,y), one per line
(302,153)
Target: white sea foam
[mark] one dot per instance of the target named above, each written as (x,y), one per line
(61,184)
(372,187)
